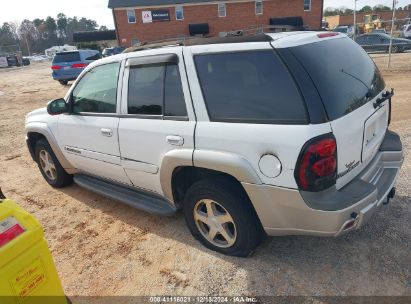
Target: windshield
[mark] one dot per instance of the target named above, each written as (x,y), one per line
(383,35)
(341,29)
(67,57)
(343,73)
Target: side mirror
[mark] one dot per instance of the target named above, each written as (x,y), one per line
(57,106)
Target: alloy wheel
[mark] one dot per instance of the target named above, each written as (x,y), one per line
(47,165)
(215,223)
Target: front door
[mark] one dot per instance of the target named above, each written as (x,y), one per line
(156,117)
(89,134)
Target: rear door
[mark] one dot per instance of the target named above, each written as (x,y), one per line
(157,116)
(349,84)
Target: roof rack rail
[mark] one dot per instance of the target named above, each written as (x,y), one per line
(236,37)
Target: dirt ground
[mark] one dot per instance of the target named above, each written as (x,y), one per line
(102,247)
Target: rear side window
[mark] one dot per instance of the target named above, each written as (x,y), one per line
(156,90)
(249,87)
(67,57)
(343,73)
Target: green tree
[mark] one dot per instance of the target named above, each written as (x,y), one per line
(62,22)
(381,8)
(366,9)
(28,33)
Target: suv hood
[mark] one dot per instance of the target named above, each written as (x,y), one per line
(37,115)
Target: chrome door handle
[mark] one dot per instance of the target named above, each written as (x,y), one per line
(175,140)
(106,132)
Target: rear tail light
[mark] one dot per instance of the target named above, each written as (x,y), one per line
(326,35)
(79,65)
(55,67)
(316,168)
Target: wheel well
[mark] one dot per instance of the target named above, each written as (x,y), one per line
(32,138)
(184,177)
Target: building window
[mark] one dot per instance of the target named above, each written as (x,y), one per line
(307,5)
(179,13)
(134,41)
(259,7)
(222,10)
(131,16)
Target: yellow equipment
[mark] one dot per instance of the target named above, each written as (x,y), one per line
(27,271)
(372,22)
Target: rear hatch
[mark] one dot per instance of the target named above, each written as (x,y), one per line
(349,84)
(67,63)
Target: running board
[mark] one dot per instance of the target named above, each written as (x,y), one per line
(140,200)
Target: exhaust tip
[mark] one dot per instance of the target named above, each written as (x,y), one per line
(351,223)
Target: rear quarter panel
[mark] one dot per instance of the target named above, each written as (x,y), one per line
(250,141)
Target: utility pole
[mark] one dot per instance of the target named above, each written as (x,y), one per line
(394,2)
(355,19)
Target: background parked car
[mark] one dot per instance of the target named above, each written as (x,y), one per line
(380,42)
(345,29)
(113,51)
(13,61)
(67,66)
(26,61)
(406,31)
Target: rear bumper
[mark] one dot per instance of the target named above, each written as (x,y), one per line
(332,212)
(67,75)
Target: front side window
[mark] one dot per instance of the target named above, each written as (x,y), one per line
(179,13)
(131,16)
(307,5)
(258,7)
(222,10)
(249,87)
(156,90)
(97,90)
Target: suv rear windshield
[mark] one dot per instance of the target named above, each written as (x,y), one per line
(249,87)
(344,74)
(67,57)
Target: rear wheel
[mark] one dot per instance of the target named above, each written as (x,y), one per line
(63,82)
(221,217)
(50,167)
(395,49)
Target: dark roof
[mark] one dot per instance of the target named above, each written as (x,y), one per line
(131,3)
(94,36)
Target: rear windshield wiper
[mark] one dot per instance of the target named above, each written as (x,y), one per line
(385,96)
(362,82)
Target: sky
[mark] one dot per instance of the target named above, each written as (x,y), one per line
(18,10)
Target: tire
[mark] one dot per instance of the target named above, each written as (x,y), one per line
(63,82)
(242,228)
(50,167)
(395,49)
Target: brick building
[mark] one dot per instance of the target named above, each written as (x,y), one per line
(149,20)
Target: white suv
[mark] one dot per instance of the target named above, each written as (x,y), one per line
(277,134)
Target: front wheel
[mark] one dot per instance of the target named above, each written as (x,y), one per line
(63,82)
(220,215)
(50,167)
